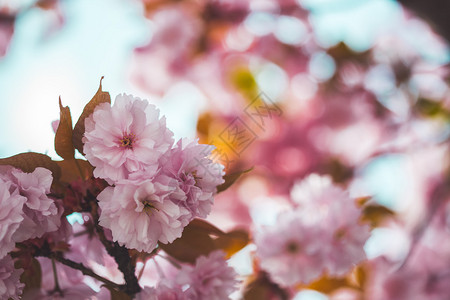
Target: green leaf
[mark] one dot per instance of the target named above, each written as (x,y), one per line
(29,161)
(79,129)
(230,179)
(63,137)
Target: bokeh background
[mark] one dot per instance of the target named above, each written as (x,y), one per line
(359,90)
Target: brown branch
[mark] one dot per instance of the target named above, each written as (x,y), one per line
(119,253)
(85,270)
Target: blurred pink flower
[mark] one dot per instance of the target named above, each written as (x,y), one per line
(322,234)
(70,282)
(124,138)
(290,251)
(141,215)
(197,176)
(11,214)
(10,285)
(147,293)
(210,279)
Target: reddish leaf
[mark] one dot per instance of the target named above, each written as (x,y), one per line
(117,295)
(63,136)
(327,284)
(206,227)
(29,161)
(232,241)
(262,288)
(74,169)
(78,131)
(195,241)
(230,179)
(376,214)
(32,274)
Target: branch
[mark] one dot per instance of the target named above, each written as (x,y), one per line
(119,253)
(85,270)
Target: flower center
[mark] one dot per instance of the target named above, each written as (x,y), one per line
(148,207)
(127,141)
(292,247)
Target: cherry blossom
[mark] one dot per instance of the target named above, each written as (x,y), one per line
(210,278)
(125,138)
(10,286)
(11,215)
(141,215)
(197,175)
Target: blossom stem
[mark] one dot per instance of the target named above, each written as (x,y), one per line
(55,276)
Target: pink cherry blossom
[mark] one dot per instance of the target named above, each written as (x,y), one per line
(11,215)
(322,235)
(290,251)
(10,285)
(124,138)
(40,213)
(336,213)
(210,279)
(141,215)
(197,175)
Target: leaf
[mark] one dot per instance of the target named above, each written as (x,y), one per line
(79,129)
(230,179)
(376,214)
(71,172)
(63,137)
(232,241)
(32,275)
(117,295)
(262,288)
(195,241)
(29,161)
(327,284)
(206,227)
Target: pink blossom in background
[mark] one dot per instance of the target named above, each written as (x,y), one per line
(196,175)
(10,286)
(125,138)
(210,279)
(147,293)
(290,251)
(141,215)
(323,235)
(11,215)
(70,282)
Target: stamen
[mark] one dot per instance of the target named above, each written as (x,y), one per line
(127,141)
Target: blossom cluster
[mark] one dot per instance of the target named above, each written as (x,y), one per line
(209,279)
(26,212)
(322,235)
(157,187)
